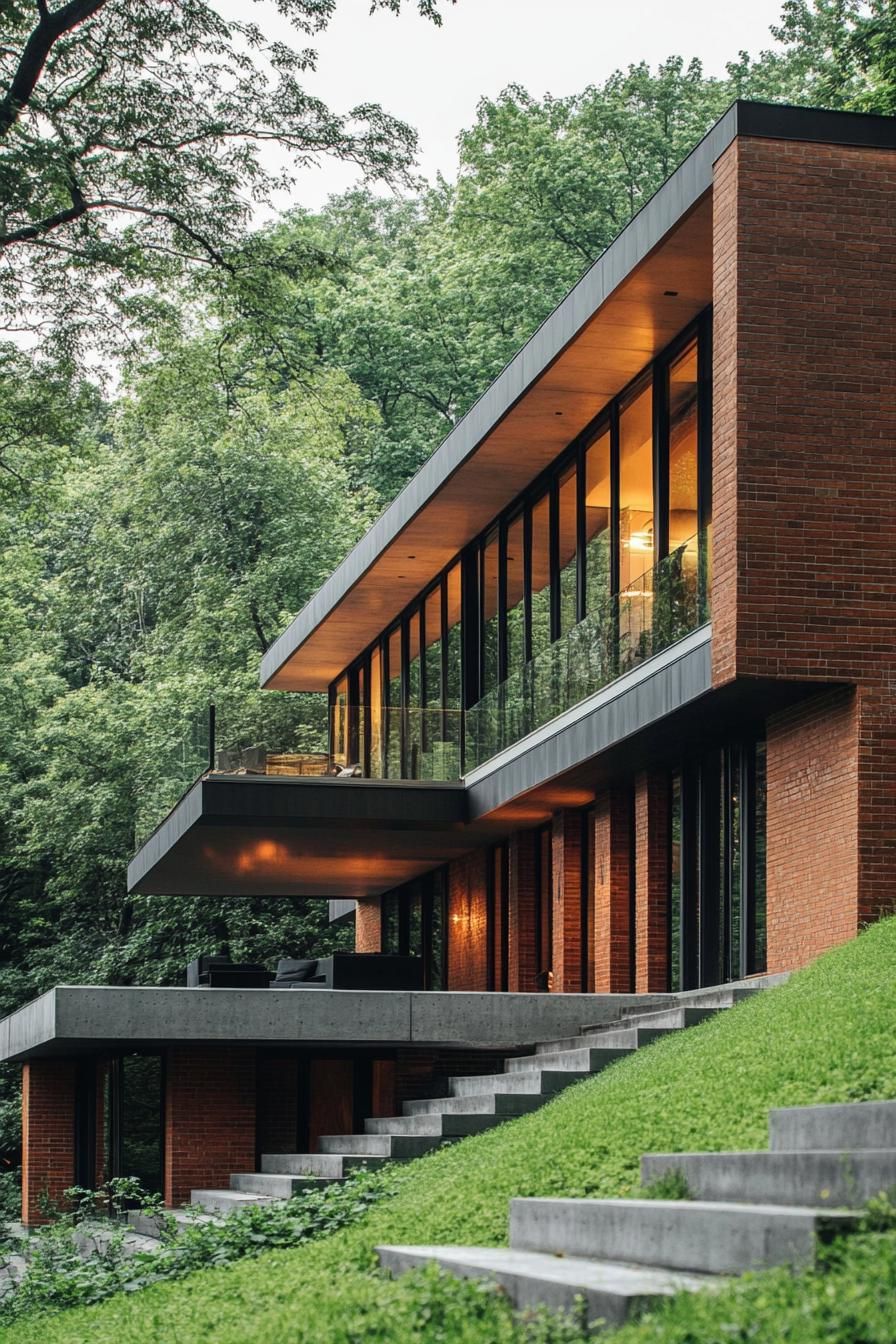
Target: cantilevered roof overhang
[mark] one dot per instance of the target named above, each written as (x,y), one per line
(280,836)
(642,291)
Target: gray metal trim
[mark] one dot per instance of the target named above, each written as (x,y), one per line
(641,235)
(637,703)
(341,909)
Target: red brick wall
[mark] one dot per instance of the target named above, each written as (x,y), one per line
(368,926)
(467,919)
(48,1134)
(566,877)
(612,893)
(812,849)
(209,1117)
(522,972)
(421,1074)
(652,883)
(804,491)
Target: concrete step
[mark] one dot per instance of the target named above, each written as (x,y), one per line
(822,1180)
(585,1060)
(611,1292)
(398,1147)
(671,1019)
(328,1166)
(855,1124)
(502,1104)
(452,1125)
(277,1185)
(540,1082)
(226,1201)
(707,1238)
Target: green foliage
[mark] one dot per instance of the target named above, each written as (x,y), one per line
(670,1185)
(826,1036)
(131,137)
(60,1276)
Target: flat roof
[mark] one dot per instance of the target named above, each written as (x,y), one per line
(607,328)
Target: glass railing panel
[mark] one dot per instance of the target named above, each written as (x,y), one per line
(652,613)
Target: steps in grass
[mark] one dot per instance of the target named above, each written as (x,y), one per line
(609,1292)
(748,1212)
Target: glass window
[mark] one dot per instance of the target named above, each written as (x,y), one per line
(432,623)
(376,714)
(636,537)
(393,712)
(675,892)
(413,716)
(757,961)
(598,502)
(683,451)
(636,489)
(490,616)
(339,727)
(516,596)
(567,547)
(540,575)
(359,718)
(454,676)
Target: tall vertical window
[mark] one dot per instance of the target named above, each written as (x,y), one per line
(454,650)
(683,450)
(540,575)
(490,613)
(516,595)
(340,715)
(376,713)
(394,706)
(414,707)
(636,490)
(598,503)
(567,549)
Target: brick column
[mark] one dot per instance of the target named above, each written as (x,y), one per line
(651,883)
(522,972)
(467,933)
(612,893)
(209,1117)
(566,844)
(48,1134)
(368,926)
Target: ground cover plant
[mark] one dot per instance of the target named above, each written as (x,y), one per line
(826,1036)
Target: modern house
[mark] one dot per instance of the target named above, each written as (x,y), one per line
(617,670)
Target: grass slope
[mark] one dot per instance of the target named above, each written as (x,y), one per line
(826,1036)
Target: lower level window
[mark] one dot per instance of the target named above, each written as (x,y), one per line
(717,904)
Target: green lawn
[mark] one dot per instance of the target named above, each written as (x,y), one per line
(829,1035)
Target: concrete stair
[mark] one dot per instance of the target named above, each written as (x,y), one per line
(749,1211)
(475,1103)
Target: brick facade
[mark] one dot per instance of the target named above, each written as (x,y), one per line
(368,926)
(804,494)
(566,877)
(812,850)
(652,883)
(467,923)
(522,888)
(48,1134)
(209,1117)
(612,893)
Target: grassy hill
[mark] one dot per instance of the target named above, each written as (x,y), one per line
(828,1035)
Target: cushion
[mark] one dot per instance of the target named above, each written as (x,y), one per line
(290,971)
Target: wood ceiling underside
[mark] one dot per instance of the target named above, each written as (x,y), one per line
(629,329)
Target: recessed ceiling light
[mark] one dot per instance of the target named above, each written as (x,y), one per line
(412,557)
(670,293)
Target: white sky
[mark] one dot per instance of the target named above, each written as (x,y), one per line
(433,77)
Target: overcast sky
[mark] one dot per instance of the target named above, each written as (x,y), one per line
(433,77)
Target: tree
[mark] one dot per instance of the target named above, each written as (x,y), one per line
(130,138)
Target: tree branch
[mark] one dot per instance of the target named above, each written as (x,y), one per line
(35,52)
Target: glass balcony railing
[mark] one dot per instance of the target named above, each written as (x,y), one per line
(650,614)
